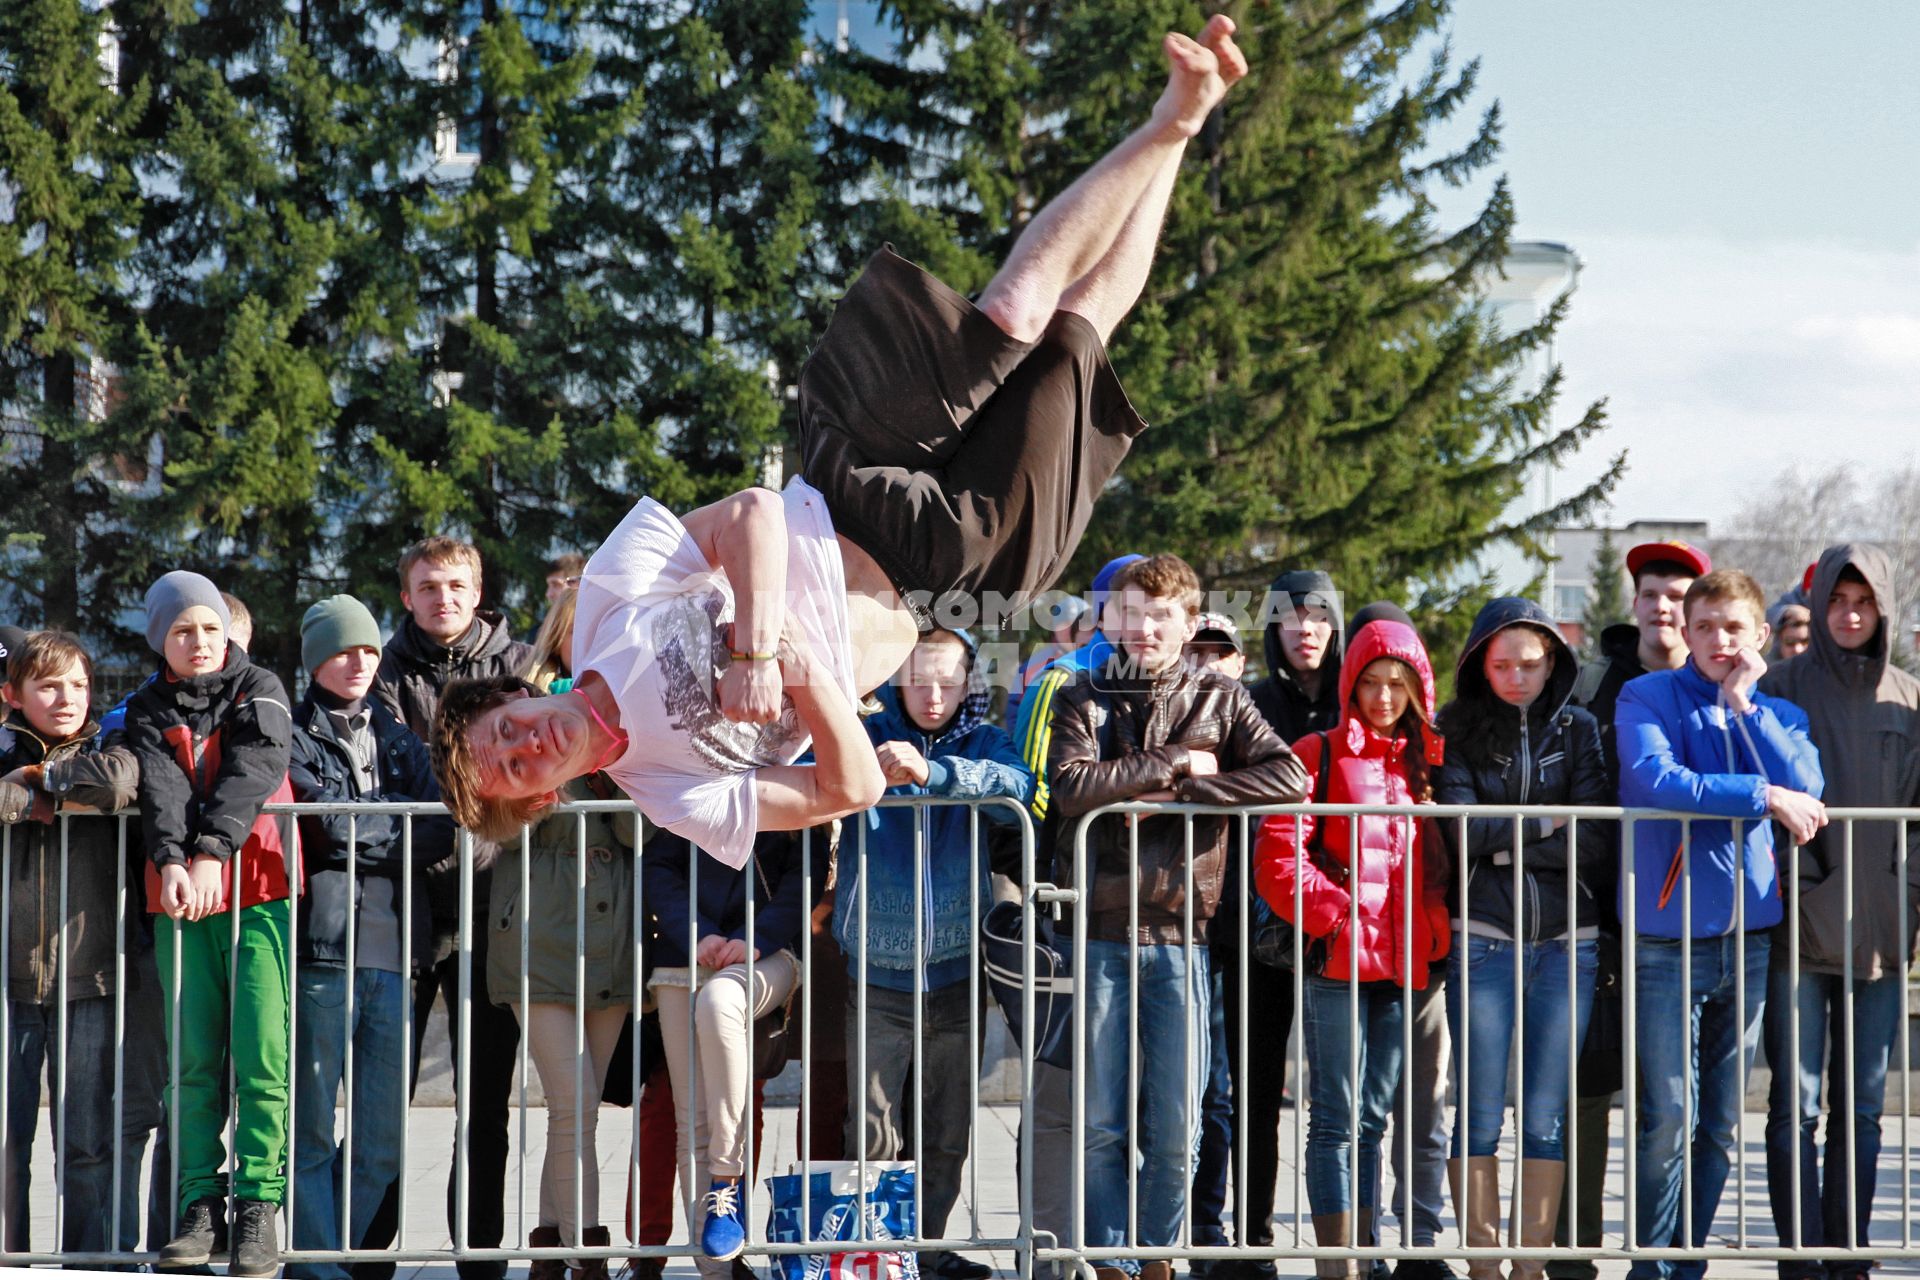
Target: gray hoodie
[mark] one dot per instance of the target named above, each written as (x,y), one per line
(1865,715)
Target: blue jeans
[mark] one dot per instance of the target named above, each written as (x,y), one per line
(1216,1119)
(1485,1027)
(379,1037)
(1172,1072)
(1856,1085)
(1695,1045)
(1335,1094)
(86,1187)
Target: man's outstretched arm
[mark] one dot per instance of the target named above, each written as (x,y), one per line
(845,776)
(745,537)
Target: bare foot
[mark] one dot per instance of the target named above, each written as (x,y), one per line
(1199,74)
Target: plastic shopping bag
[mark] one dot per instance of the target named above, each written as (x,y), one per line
(838,1209)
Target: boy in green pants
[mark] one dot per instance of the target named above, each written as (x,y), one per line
(212,735)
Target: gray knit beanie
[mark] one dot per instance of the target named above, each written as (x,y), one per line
(335,625)
(172,596)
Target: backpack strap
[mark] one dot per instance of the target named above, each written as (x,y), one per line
(1586,686)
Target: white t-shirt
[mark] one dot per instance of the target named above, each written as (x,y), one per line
(651,618)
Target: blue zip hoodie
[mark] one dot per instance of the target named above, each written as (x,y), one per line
(1682,748)
(970,759)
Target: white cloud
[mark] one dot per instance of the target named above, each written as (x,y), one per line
(1725,363)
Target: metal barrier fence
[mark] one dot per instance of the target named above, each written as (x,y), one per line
(1048,1204)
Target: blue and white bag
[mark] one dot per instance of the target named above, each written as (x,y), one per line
(837,1210)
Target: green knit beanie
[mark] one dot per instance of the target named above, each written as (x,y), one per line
(334,625)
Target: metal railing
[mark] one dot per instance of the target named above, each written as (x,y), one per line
(1052,1164)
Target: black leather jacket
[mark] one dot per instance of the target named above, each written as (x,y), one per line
(1498,754)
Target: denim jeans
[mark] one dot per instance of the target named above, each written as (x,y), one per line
(86,1188)
(1695,1046)
(1336,1095)
(1173,992)
(1856,1087)
(322,1031)
(1215,1156)
(1482,1017)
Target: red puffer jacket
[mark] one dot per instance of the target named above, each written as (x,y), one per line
(1394,852)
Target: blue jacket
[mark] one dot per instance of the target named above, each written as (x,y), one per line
(968,759)
(1682,749)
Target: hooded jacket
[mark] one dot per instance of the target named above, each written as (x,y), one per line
(322,773)
(967,758)
(213,750)
(1864,714)
(1547,753)
(1117,736)
(414,668)
(1282,697)
(1395,853)
(1683,749)
(102,778)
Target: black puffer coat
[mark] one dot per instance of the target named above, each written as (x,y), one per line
(1548,753)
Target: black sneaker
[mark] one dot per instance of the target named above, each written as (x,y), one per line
(256,1244)
(1423,1269)
(202,1233)
(952,1266)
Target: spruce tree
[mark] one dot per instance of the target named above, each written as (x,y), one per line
(69,205)
(1606,592)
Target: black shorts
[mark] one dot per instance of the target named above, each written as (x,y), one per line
(960,459)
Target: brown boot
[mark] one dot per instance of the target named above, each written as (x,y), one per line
(1536,1206)
(592,1268)
(1476,1202)
(1333,1231)
(1156,1271)
(545,1237)
(1109,1273)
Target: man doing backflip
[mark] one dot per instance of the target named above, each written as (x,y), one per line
(947,446)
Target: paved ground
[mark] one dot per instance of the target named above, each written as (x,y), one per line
(993,1190)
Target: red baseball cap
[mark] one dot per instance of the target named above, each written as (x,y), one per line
(1681,553)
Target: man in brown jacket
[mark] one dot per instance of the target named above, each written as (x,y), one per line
(1865,714)
(1147,727)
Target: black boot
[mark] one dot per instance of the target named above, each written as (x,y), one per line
(202,1233)
(256,1244)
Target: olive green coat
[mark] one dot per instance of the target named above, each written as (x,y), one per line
(547,894)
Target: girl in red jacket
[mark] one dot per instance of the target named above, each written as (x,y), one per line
(1344,882)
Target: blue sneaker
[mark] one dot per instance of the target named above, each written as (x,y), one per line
(723,1235)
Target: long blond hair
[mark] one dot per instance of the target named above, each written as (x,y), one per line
(554,643)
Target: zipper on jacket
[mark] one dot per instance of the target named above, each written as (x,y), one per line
(1532,927)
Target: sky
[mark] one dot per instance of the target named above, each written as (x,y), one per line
(1742,184)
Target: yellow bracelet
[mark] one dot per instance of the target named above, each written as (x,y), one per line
(737,656)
